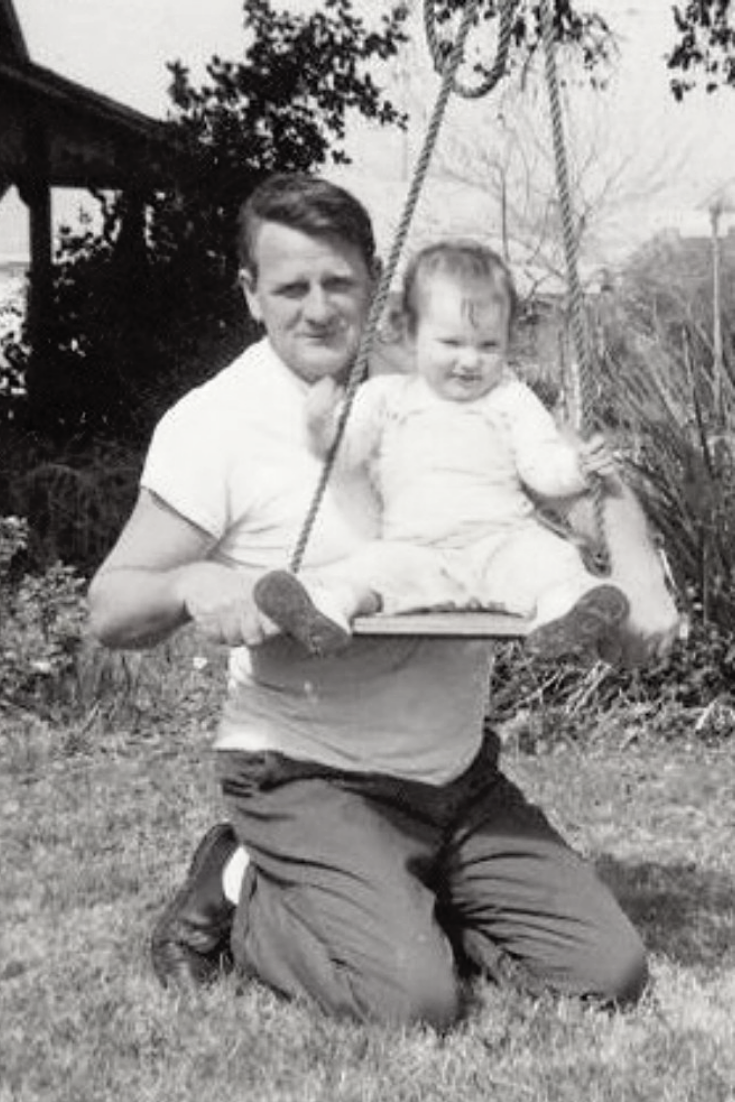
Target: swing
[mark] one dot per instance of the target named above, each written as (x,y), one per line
(625,550)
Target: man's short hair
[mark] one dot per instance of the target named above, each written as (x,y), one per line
(306,203)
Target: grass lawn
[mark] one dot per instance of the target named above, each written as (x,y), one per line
(97,829)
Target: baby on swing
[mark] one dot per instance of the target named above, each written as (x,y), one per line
(453,451)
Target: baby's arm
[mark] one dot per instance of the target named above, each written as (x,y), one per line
(364,423)
(547,460)
(322,414)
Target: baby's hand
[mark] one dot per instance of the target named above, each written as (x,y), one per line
(321,413)
(596,458)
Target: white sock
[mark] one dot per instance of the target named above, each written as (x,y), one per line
(233,873)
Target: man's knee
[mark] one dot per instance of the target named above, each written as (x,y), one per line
(627,975)
(416,992)
(618,973)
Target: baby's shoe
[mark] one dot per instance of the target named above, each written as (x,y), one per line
(285,600)
(589,627)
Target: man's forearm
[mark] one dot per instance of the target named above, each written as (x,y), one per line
(133,608)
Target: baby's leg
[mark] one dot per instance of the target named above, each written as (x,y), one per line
(316,607)
(408,578)
(571,611)
(531,571)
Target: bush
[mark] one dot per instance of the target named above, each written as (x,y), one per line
(674,410)
(14,353)
(41,626)
(688,695)
(74,500)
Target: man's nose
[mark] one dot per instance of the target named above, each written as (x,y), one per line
(317,305)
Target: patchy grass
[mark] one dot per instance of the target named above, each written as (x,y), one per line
(97,829)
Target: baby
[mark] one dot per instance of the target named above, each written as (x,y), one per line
(453,451)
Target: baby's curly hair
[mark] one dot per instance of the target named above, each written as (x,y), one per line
(470,263)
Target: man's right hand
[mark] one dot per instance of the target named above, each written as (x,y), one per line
(158,577)
(220,602)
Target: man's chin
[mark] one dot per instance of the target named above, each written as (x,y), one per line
(330,363)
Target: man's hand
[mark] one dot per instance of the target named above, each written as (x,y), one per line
(220,602)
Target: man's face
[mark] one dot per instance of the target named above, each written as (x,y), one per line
(312,294)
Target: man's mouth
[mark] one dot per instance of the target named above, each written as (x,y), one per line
(322,336)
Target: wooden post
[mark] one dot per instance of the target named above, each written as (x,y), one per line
(35,191)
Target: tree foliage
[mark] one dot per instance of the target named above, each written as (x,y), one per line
(705,47)
(146,308)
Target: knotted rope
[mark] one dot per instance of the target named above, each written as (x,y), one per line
(439,50)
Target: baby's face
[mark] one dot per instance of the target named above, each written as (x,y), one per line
(460,339)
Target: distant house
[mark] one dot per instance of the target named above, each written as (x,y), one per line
(55,133)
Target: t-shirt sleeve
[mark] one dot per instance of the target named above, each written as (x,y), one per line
(188,462)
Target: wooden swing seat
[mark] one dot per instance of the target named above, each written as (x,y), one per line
(478,623)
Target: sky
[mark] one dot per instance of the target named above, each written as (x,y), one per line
(120,47)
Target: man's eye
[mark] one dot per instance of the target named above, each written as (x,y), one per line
(339,286)
(293,290)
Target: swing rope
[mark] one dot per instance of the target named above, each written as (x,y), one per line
(447,61)
(578,315)
(360,366)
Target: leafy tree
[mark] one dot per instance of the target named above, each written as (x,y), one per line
(586,32)
(148,306)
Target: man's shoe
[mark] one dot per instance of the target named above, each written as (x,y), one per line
(190,945)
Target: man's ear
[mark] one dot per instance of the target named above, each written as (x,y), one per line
(248,283)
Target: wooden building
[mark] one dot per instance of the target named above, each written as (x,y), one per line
(55,133)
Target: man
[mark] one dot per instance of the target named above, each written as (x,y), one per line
(374,849)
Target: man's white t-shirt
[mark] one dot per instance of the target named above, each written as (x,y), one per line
(232,457)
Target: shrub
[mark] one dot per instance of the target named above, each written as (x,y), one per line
(688,695)
(675,411)
(74,500)
(41,625)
